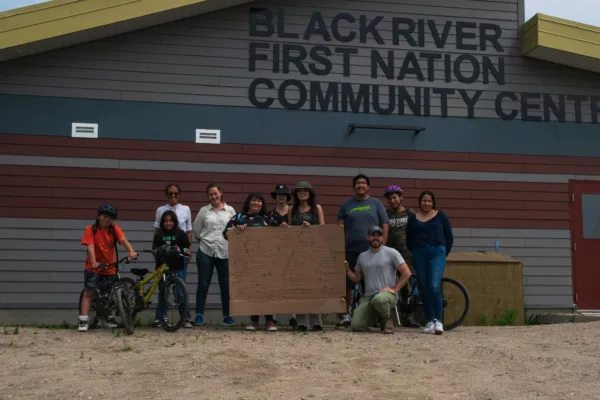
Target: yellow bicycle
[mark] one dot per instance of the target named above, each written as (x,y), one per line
(172,294)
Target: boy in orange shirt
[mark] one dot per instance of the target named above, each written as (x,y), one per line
(101,241)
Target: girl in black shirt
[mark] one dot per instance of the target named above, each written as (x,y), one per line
(170,233)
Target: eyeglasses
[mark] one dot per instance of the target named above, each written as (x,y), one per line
(173,194)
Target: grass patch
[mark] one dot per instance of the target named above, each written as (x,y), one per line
(9,330)
(508,318)
(144,323)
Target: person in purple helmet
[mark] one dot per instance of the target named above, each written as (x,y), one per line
(398,215)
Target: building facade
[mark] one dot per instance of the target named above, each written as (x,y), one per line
(462,98)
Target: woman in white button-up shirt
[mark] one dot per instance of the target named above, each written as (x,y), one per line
(213,251)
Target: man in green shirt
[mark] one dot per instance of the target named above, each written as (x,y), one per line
(398,216)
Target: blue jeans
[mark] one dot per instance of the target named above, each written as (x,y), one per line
(206,265)
(429,263)
(182,273)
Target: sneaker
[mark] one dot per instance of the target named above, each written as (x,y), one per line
(112,325)
(156,323)
(83,325)
(112,322)
(271,326)
(188,324)
(199,319)
(438,327)
(227,320)
(252,326)
(346,321)
(429,328)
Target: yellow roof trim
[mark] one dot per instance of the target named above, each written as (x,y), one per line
(58,23)
(63,17)
(562,41)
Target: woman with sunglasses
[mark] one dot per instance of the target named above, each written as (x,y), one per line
(184,217)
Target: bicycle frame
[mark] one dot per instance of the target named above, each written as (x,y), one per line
(157,276)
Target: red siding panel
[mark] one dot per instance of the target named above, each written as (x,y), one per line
(293,155)
(48,192)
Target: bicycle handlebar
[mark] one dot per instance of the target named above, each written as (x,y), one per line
(181,255)
(125,260)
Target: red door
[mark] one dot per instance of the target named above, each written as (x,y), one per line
(585,241)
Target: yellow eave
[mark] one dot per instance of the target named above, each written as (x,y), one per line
(562,41)
(60,23)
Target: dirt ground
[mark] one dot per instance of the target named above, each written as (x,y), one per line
(534,362)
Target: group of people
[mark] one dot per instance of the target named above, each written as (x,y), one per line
(382,246)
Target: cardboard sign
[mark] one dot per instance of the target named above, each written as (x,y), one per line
(286,270)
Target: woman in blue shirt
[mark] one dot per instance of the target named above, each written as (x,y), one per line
(429,238)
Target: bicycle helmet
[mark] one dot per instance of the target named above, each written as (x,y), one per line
(167,254)
(392,189)
(109,210)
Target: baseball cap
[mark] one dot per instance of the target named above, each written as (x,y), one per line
(374,229)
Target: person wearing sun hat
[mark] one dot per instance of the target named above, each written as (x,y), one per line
(306,212)
(281,194)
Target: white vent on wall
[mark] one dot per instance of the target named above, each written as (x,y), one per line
(81,130)
(208,136)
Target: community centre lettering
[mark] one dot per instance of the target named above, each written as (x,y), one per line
(317,60)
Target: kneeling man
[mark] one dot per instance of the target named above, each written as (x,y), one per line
(378,267)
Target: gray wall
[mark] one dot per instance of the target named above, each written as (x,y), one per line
(41,261)
(204,60)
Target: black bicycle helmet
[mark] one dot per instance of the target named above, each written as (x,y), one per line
(167,254)
(109,210)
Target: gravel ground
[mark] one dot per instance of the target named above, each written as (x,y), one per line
(535,362)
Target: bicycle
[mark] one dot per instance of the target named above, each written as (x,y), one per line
(103,305)
(456,302)
(130,301)
(453,302)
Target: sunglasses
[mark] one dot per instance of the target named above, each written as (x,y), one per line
(171,194)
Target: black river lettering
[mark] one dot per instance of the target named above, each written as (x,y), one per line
(400,53)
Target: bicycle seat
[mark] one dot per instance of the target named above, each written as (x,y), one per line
(139,271)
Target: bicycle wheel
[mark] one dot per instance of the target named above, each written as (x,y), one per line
(93,318)
(126,284)
(456,303)
(173,299)
(125,310)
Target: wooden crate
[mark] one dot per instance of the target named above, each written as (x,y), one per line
(494,281)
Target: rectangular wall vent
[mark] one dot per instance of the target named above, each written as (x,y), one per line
(81,130)
(208,136)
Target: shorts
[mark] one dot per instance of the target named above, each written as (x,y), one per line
(94,281)
(352,258)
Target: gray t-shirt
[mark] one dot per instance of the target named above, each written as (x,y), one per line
(358,217)
(379,269)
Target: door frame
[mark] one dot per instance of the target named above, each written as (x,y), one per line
(572,183)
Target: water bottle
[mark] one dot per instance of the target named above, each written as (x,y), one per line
(496,246)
